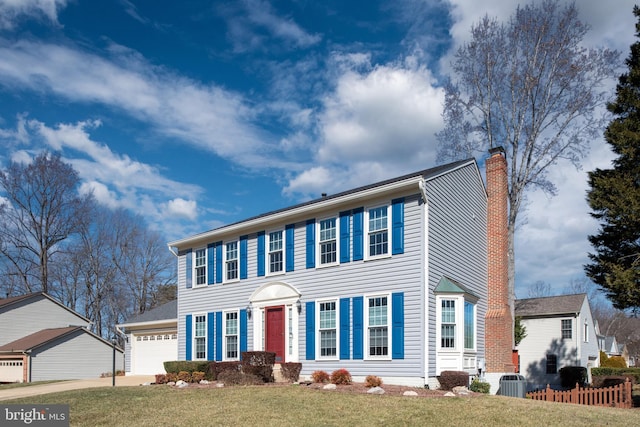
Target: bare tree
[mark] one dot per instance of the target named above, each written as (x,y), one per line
(530,86)
(539,289)
(42,209)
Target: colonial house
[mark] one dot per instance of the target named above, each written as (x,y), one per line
(560,331)
(41,339)
(389,279)
(152,339)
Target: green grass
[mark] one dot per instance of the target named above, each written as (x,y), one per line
(298,406)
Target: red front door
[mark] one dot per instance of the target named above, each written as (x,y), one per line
(274,332)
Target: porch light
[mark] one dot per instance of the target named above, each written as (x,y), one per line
(249,310)
(299,306)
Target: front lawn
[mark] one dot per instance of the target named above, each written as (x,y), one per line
(300,406)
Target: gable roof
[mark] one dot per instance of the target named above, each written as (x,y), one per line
(166,311)
(11,302)
(549,306)
(45,336)
(426,174)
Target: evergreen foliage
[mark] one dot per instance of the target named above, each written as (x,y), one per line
(614,196)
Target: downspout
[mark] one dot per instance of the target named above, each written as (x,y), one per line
(423,191)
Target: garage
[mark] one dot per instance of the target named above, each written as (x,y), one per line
(11,371)
(150,351)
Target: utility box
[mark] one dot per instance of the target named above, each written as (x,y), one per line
(513,385)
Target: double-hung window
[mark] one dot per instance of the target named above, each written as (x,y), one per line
(378,318)
(552,364)
(276,253)
(448,323)
(200,266)
(231,260)
(566,329)
(378,231)
(231,335)
(328,330)
(328,242)
(200,336)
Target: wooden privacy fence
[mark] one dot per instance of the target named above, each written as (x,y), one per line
(618,396)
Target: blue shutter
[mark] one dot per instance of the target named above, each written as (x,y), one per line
(218,335)
(289,236)
(243,331)
(358,234)
(345,222)
(397,323)
(311,243)
(261,253)
(219,262)
(243,257)
(397,218)
(345,322)
(189,267)
(210,266)
(358,327)
(188,338)
(210,336)
(311,330)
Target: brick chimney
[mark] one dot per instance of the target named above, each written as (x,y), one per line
(499,322)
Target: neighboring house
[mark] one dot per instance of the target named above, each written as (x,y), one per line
(152,339)
(560,332)
(611,347)
(41,339)
(389,279)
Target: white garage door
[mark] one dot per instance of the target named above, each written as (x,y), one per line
(11,371)
(149,352)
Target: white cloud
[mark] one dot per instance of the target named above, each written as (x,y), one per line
(182,208)
(101,193)
(11,10)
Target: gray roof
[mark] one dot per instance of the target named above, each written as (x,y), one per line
(167,311)
(549,306)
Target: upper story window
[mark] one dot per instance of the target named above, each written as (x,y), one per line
(200,336)
(378,231)
(586,330)
(231,335)
(231,261)
(200,266)
(328,333)
(566,329)
(328,245)
(448,323)
(276,253)
(377,322)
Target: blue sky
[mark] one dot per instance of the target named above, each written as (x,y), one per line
(196,113)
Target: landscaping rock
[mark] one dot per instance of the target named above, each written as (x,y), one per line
(182,384)
(179,383)
(450,394)
(375,390)
(461,390)
(171,383)
(204,382)
(147,383)
(410,393)
(329,387)
(219,385)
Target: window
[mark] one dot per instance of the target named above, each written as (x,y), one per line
(328,243)
(231,260)
(276,255)
(200,337)
(231,335)
(328,332)
(566,329)
(378,326)
(552,364)
(200,266)
(378,231)
(586,330)
(448,324)
(469,322)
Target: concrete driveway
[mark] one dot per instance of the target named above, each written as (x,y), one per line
(35,390)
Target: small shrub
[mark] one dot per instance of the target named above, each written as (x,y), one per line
(614,362)
(161,379)
(184,376)
(341,376)
(221,367)
(372,381)
(450,379)
(211,372)
(172,377)
(291,371)
(478,386)
(259,363)
(630,372)
(572,375)
(320,377)
(185,365)
(197,376)
(231,377)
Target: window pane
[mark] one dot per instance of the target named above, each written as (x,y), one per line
(448,336)
(552,364)
(201,266)
(566,329)
(328,343)
(275,262)
(378,345)
(275,241)
(448,311)
(378,218)
(377,311)
(469,330)
(201,324)
(232,323)
(327,315)
(201,352)
(232,347)
(378,231)
(275,252)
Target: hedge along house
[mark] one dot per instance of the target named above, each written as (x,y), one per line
(388,279)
